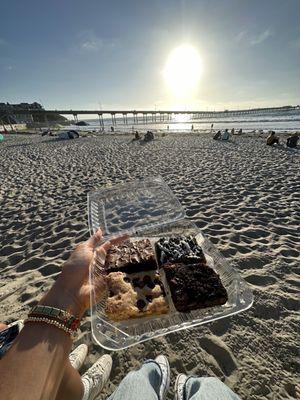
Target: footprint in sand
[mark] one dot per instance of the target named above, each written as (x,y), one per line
(222,354)
(49,269)
(260,280)
(31,264)
(220,327)
(252,262)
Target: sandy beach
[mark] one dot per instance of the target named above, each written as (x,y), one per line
(242,194)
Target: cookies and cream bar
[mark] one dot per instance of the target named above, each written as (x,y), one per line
(179,249)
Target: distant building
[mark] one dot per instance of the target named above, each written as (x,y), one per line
(9,114)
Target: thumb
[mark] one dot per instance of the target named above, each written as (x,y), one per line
(94,240)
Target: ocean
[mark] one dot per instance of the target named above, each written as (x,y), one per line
(282,121)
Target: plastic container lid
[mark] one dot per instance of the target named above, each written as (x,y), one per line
(133,207)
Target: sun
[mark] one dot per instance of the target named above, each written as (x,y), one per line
(183,71)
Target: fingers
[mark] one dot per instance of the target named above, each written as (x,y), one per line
(114,241)
(94,240)
(100,253)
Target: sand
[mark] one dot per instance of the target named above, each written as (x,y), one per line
(243,195)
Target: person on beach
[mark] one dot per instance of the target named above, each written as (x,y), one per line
(232,131)
(38,365)
(225,135)
(292,141)
(137,136)
(217,136)
(272,139)
(149,136)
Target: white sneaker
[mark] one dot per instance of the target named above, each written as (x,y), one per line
(179,386)
(163,362)
(96,377)
(20,324)
(78,356)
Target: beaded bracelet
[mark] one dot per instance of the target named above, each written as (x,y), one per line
(52,313)
(53,322)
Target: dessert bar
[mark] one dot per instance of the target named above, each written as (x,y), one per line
(194,286)
(179,249)
(131,257)
(135,295)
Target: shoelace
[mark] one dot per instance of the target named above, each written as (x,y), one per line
(96,374)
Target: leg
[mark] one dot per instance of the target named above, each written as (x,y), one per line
(89,386)
(207,389)
(142,384)
(71,386)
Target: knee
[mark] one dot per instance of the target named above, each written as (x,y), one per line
(131,376)
(212,380)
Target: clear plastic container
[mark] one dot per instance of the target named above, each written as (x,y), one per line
(148,208)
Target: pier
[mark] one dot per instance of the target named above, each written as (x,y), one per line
(144,116)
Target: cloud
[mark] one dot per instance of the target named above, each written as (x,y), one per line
(253,40)
(240,36)
(261,37)
(89,42)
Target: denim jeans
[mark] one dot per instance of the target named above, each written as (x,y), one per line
(144,385)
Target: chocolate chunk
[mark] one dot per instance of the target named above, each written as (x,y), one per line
(140,304)
(111,293)
(149,298)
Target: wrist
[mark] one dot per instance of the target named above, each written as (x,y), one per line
(59,297)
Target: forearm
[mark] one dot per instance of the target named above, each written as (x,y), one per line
(33,367)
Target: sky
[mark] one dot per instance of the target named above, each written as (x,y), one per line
(112,54)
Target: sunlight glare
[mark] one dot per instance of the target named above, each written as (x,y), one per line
(183,70)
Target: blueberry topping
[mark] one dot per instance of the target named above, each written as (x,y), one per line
(140,304)
(151,285)
(136,282)
(147,279)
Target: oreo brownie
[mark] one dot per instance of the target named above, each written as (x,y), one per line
(194,286)
(131,257)
(135,295)
(183,249)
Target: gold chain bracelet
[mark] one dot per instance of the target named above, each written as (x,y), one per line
(53,322)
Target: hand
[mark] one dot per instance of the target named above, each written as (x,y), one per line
(72,290)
